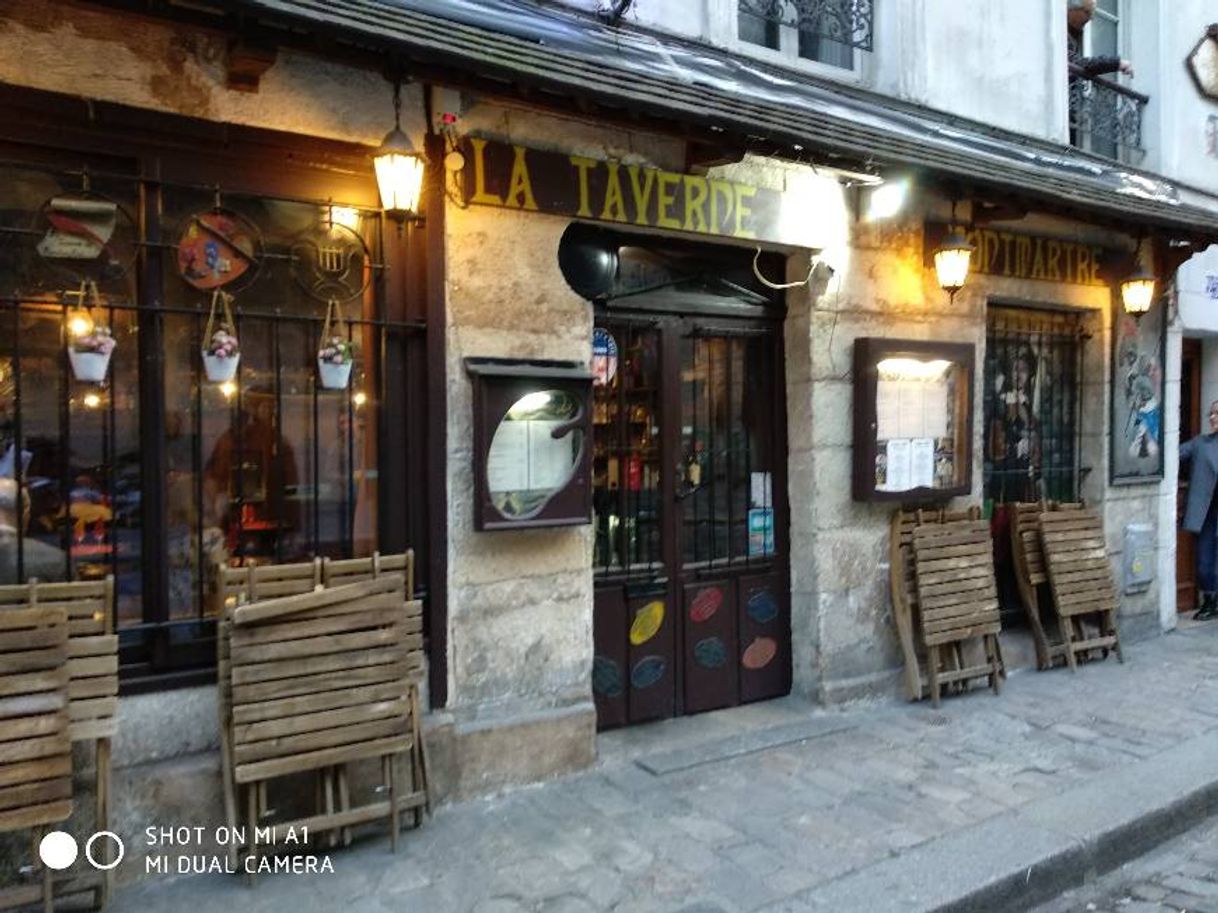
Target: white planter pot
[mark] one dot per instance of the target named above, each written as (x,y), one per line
(332,376)
(219,368)
(89,366)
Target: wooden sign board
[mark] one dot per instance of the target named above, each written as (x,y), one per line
(535,180)
(1017,255)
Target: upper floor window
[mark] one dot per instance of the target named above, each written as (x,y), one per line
(1105,116)
(826,31)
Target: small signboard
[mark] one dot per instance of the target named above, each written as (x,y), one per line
(604,357)
(761,532)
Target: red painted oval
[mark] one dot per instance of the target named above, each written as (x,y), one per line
(705,604)
(759,653)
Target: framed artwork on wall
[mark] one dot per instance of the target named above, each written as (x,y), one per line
(1136,434)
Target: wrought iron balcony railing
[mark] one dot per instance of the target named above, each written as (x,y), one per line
(847,22)
(1105,117)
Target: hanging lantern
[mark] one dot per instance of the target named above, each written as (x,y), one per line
(952,259)
(80,323)
(1138,289)
(399,169)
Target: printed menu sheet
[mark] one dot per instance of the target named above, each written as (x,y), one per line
(911,409)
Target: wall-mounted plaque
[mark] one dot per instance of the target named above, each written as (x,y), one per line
(1203,63)
(912,419)
(532,443)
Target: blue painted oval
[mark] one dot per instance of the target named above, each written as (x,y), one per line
(606,677)
(647,671)
(762,607)
(710,653)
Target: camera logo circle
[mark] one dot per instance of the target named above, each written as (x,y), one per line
(58,850)
(105,867)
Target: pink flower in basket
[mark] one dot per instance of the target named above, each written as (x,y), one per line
(336,350)
(223,343)
(98,342)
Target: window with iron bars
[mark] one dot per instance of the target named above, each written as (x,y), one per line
(827,31)
(1031,402)
(156,474)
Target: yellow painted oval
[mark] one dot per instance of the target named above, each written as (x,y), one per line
(647,621)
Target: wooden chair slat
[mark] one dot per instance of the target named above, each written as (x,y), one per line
(953,573)
(1080,578)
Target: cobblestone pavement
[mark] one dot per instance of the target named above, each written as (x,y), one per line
(757,807)
(1179,877)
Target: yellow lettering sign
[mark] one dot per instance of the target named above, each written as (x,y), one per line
(480,194)
(1007,240)
(641,193)
(742,210)
(1054,256)
(615,204)
(696,192)
(520,187)
(666,197)
(1094,255)
(720,190)
(584,165)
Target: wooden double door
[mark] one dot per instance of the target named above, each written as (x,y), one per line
(692,608)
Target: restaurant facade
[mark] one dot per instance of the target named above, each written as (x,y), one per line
(603,379)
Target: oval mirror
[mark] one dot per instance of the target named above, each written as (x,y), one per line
(535,451)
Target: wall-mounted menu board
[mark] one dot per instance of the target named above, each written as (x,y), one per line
(913,418)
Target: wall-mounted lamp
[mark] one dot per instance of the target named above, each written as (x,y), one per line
(883,201)
(1138,289)
(952,258)
(399,169)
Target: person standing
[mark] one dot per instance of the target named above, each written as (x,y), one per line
(1078,14)
(1201,511)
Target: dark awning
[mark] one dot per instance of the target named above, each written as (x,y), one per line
(629,68)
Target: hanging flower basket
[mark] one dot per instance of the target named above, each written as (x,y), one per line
(336,354)
(89,353)
(222,351)
(220,368)
(333,376)
(90,366)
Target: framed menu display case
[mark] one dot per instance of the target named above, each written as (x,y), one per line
(913,419)
(532,440)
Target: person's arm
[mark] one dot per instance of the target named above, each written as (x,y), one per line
(1098,66)
(1186,450)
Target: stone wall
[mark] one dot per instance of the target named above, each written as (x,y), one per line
(519,601)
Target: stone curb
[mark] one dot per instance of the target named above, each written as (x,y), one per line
(1026,856)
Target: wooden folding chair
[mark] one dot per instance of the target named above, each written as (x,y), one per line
(35,746)
(1080,578)
(957,600)
(336,572)
(320,680)
(1032,573)
(904,590)
(233,587)
(92,688)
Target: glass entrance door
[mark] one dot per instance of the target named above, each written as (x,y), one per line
(692,609)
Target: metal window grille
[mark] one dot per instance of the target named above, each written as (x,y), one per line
(846,22)
(1032,396)
(94,453)
(1105,117)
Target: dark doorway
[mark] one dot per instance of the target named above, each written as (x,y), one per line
(692,594)
(1190,427)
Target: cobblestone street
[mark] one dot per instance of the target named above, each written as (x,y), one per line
(780,807)
(1179,877)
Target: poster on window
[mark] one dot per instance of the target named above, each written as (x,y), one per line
(1137,397)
